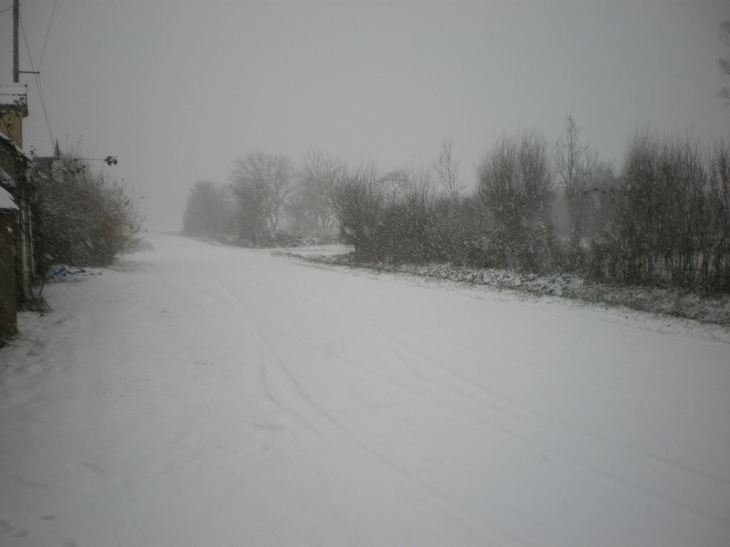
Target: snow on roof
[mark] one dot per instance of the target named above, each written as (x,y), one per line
(19,150)
(6,200)
(13,94)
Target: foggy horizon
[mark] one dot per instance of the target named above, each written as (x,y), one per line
(177,91)
(412,273)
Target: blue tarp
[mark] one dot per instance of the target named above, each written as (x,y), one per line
(61,271)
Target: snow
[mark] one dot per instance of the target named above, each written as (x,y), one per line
(20,153)
(207,395)
(13,94)
(6,201)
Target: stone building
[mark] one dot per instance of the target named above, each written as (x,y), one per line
(8,231)
(15,168)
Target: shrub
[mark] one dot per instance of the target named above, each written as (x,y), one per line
(82,217)
(515,185)
(673,223)
(358,202)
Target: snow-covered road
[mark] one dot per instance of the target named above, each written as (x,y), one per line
(204,395)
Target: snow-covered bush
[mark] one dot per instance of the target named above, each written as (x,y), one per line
(82,217)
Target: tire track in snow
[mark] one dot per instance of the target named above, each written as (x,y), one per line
(464,386)
(458,511)
(617,326)
(381,325)
(235,303)
(539,420)
(606,474)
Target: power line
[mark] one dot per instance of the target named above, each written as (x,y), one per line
(25,38)
(6,9)
(43,104)
(47,31)
(37,78)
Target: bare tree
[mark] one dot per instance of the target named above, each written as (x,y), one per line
(671,212)
(716,266)
(312,207)
(358,203)
(207,210)
(387,217)
(447,170)
(725,63)
(574,161)
(261,183)
(394,184)
(516,187)
(403,230)
(574,166)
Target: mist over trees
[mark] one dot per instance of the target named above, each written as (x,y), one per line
(538,206)
(260,184)
(267,201)
(311,208)
(208,212)
(725,63)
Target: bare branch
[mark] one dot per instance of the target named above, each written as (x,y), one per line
(447,170)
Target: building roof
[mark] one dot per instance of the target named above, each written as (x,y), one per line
(13,93)
(6,201)
(17,149)
(12,157)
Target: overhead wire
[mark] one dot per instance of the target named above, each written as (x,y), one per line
(37,77)
(48,30)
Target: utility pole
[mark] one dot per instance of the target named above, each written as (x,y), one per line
(16,29)
(25,237)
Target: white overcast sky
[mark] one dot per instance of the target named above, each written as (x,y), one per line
(177,90)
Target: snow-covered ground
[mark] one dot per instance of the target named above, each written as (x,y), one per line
(206,395)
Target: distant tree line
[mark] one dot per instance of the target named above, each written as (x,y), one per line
(268,201)
(538,206)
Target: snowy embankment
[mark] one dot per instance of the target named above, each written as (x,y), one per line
(669,301)
(206,395)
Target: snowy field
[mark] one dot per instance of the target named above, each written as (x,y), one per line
(205,395)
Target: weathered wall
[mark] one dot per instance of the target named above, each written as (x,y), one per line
(8,314)
(11,125)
